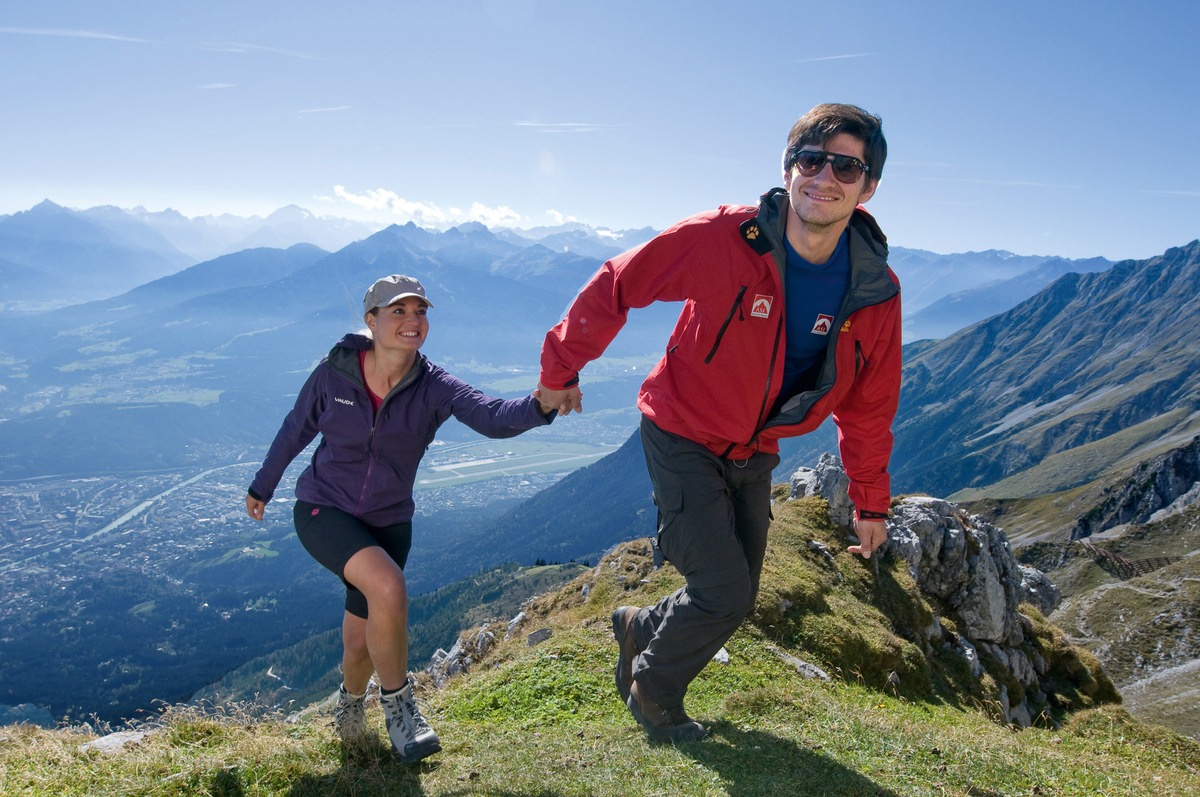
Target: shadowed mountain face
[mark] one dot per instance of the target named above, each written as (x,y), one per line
(1100,365)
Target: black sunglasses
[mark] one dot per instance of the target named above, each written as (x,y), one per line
(846,168)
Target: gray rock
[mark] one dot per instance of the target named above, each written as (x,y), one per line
(444,665)
(803,667)
(1038,589)
(538,637)
(1167,482)
(513,624)
(113,742)
(828,481)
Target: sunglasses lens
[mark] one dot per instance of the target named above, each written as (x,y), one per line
(809,162)
(846,169)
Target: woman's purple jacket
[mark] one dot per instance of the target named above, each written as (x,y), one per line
(366,464)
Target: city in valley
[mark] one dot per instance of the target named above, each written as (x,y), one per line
(160,581)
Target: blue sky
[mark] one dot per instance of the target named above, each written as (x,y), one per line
(1064,128)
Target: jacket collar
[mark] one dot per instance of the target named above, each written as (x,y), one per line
(765,232)
(772,222)
(343,358)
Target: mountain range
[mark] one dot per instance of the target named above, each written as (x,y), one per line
(1070,387)
(171,354)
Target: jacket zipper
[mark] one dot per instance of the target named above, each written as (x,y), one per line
(762,410)
(362,493)
(737,307)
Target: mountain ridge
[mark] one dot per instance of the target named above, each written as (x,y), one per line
(1077,363)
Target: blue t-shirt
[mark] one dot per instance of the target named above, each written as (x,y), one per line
(814,296)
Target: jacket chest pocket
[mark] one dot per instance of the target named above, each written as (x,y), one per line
(735,309)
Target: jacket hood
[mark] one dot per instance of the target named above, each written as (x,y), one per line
(343,357)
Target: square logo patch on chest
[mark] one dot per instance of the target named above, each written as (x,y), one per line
(762,306)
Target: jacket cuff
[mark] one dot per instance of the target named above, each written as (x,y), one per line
(250,491)
(866,514)
(554,385)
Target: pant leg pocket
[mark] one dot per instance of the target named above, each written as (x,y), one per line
(669,502)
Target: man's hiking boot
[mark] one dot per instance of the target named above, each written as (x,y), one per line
(622,623)
(663,724)
(349,716)
(411,736)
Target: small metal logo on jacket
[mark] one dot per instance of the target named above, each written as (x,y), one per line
(762,306)
(823,325)
(340,400)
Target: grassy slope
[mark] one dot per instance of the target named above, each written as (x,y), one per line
(309,671)
(544,720)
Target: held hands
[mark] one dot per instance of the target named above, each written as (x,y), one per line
(254,507)
(562,400)
(871,534)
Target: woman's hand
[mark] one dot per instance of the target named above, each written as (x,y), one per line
(255,507)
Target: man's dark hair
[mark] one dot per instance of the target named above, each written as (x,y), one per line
(825,121)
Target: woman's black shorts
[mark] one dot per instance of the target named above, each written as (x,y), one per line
(332,536)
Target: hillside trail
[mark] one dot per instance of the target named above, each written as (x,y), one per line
(1081,608)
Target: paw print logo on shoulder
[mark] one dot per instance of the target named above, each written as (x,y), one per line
(752,234)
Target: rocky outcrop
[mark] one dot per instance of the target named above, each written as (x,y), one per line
(966,569)
(827,481)
(967,566)
(472,647)
(1160,486)
(465,653)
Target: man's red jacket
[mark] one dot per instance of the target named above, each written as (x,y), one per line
(718,382)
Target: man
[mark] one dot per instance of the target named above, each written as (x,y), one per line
(790,315)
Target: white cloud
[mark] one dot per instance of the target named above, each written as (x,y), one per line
(215,86)
(833,57)
(563,127)
(502,216)
(391,203)
(326,110)
(381,201)
(258,49)
(70,34)
(560,218)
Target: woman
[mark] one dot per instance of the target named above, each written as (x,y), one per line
(376,401)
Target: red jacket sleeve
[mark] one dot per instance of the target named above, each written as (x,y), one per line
(654,271)
(864,419)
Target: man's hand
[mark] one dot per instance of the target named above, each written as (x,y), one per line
(562,400)
(871,534)
(254,507)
